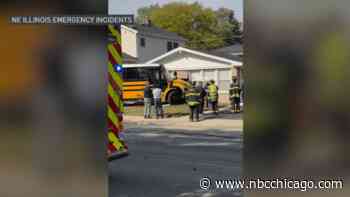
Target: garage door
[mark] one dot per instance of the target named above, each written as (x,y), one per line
(224,79)
(196,75)
(209,75)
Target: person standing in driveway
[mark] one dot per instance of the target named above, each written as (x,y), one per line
(206,105)
(202,93)
(235,96)
(193,102)
(213,96)
(157,92)
(148,96)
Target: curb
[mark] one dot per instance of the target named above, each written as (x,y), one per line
(219,134)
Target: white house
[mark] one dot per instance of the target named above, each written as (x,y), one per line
(200,67)
(145,42)
(232,52)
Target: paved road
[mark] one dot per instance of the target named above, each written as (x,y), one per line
(169,164)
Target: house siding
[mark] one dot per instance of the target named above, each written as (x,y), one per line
(154,47)
(129,42)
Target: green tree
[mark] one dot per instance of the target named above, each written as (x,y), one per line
(144,13)
(200,26)
(229,27)
(203,28)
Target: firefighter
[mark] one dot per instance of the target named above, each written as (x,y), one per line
(203,93)
(193,101)
(206,105)
(213,96)
(232,101)
(235,96)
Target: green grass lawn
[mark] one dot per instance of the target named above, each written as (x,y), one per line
(169,110)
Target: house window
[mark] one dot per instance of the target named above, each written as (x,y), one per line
(172,45)
(169,46)
(143,42)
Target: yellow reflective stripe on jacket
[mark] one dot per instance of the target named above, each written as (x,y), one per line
(192,103)
(193,94)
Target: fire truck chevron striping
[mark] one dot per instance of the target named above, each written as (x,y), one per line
(116,144)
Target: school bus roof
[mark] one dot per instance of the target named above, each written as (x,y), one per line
(140,65)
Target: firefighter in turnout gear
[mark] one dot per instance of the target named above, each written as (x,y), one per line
(193,101)
(235,96)
(213,96)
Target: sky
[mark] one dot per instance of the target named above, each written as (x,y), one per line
(131,6)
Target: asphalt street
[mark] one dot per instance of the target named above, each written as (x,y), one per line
(166,164)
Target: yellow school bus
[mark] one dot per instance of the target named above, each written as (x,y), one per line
(135,77)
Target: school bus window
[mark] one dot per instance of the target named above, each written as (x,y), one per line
(144,74)
(130,74)
(155,73)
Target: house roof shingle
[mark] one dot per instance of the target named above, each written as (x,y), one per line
(233,52)
(155,31)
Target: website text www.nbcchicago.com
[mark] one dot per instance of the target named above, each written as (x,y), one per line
(207,183)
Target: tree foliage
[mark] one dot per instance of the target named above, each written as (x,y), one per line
(203,27)
(228,25)
(144,13)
